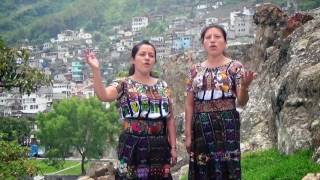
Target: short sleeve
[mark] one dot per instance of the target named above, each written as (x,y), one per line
(119,85)
(237,69)
(168,94)
(189,80)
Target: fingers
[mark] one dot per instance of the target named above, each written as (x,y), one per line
(248,74)
(89,54)
(173,157)
(173,161)
(247,77)
(188,149)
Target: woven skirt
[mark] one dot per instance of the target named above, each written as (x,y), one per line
(215,149)
(143,157)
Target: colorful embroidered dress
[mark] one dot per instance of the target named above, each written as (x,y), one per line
(143,150)
(215,149)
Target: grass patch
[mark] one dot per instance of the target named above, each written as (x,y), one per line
(46,168)
(270,164)
(75,170)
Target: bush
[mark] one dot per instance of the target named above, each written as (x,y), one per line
(14,162)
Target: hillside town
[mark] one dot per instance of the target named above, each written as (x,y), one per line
(62,56)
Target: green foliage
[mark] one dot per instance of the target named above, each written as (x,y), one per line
(84,125)
(122,74)
(39,20)
(271,164)
(308,4)
(46,167)
(155,29)
(14,162)
(76,170)
(184,177)
(15,128)
(230,1)
(15,71)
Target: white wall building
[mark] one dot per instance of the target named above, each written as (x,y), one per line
(243,25)
(159,43)
(10,104)
(201,6)
(61,91)
(241,22)
(211,20)
(138,23)
(34,103)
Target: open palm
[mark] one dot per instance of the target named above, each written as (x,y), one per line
(246,78)
(92,59)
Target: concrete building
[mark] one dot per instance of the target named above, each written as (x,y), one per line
(159,43)
(138,23)
(77,71)
(61,90)
(182,42)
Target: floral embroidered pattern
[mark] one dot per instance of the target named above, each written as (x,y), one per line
(216,123)
(143,148)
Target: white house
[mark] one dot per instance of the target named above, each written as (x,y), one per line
(159,43)
(138,23)
(61,90)
(34,103)
(211,20)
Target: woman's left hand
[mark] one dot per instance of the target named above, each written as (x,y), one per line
(246,78)
(173,156)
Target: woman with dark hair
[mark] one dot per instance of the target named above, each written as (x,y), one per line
(212,126)
(147,144)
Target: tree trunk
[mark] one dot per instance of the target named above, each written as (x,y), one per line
(83,171)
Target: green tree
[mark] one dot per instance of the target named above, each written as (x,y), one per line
(155,29)
(15,71)
(15,128)
(84,125)
(14,162)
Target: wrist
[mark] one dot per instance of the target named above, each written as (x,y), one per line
(96,69)
(244,88)
(187,133)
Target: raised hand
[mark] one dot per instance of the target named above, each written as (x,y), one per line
(246,78)
(91,59)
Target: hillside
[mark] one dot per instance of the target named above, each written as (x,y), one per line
(39,21)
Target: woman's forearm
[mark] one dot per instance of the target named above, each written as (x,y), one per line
(98,85)
(172,132)
(188,113)
(243,95)
(188,120)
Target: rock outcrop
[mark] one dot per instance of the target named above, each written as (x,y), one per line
(283,110)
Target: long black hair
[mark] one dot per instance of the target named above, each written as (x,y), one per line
(204,31)
(224,33)
(134,52)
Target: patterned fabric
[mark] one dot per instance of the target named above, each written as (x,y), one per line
(143,149)
(215,149)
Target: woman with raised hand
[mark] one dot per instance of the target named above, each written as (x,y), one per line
(147,144)
(212,124)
